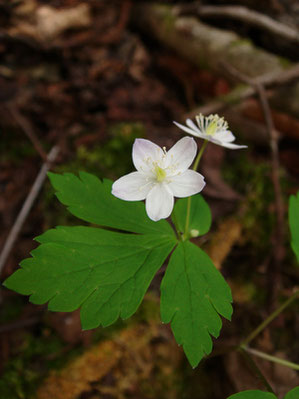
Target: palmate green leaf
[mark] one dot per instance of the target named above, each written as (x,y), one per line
(90,199)
(253,394)
(293,394)
(294,223)
(200,214)
(193,294)
(256,394)
(104,272)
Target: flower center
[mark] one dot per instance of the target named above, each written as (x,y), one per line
(160,173)
(212,127)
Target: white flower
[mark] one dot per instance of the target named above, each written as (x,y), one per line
(160,176)
(211,128)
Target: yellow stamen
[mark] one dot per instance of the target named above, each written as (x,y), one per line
(211,129)
(160,173)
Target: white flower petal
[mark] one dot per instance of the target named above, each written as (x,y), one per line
(233,146)
(214,140)
(186,129)
(132,187)
(192,125)
(144,150)
(225,136)
(182,154)
(186,184)
(216,127)
(224,143)
(159,202)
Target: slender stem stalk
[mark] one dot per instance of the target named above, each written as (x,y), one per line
(185,236)
(203,147)
(255,369)
(271,358)
(268,320)
(175,222)
(199,155)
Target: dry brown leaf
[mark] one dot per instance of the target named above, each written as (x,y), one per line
(120,367)
(77,376)
(52,22)
(45,23)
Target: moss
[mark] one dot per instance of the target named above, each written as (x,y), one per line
(165,13)
(254,181)
(241,42)
(30,363)
(284,62)
(43,350)
(111,159)
(14,147)
(233,97)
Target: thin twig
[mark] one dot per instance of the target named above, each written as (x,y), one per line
(251,17)
(28,130)
(116,31)
(255,369)
(279,248)
(279,233)
(241,13)
(271,358)
(14,232)
(240,94)
(269,319)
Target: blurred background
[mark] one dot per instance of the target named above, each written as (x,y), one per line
(88,77)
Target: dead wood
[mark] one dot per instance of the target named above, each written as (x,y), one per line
(209,47)
(243,92)
(248,16)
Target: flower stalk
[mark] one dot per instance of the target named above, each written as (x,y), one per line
(271,358)
(195,166)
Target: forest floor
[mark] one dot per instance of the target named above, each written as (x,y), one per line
(83,76)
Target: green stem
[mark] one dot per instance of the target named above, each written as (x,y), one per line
(256,370)
(174,219)
(203,147)
(271,358)
(268,320)
(195,166)
(185,235)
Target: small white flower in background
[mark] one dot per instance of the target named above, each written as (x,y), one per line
(211,128)
(161,175)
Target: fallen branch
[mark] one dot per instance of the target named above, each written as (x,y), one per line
(241,93)
(244,14)
(14,232)
(206,47)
